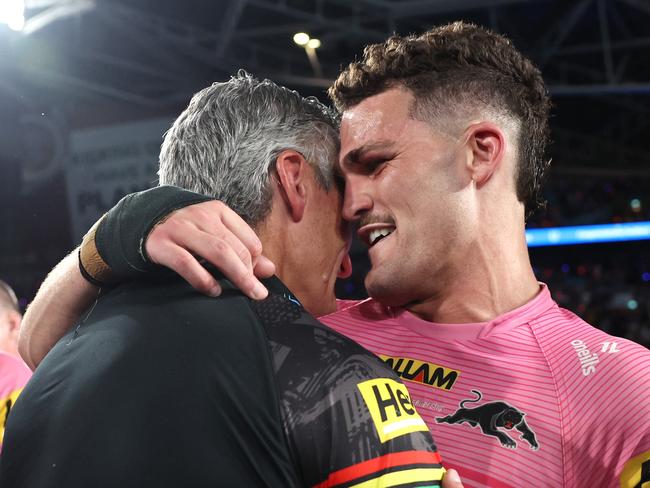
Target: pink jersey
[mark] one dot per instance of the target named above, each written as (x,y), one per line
(14,374)
(536,397)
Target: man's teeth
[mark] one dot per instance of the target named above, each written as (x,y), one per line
(376,235)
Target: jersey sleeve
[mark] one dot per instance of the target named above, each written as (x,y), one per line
(349,421)
(377,438)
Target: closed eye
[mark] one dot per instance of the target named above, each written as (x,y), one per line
(375,166)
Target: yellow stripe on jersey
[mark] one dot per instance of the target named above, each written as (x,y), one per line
(631,476)
(402,477)
(391,409)
(5,407)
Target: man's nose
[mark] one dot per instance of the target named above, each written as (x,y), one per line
(356,200)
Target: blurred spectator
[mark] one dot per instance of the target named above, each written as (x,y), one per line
(593,199)
(613,294)
(14,373)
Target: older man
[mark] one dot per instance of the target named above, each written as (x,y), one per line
(162,386)
(442,150)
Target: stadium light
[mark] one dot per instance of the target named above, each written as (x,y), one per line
(310,45)
(12,13)
(301,38)
(587,234)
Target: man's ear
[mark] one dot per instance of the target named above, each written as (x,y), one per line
(12,319)
(291,168)
(487,144)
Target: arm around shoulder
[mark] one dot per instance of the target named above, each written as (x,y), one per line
(60,301)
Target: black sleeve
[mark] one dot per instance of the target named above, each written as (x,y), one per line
(121,234)
(347,416)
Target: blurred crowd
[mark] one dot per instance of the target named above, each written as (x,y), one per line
(613,294)
(592,199)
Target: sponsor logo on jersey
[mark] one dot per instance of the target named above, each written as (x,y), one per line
(609,347)
(391,408)
(491,417)
(587,360)
(420,372)
(636,472)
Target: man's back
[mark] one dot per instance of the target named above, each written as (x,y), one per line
(143,394)
(163,387)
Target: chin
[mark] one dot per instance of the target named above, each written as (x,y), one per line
(386,291)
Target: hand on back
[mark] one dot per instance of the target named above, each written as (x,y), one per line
(213,232)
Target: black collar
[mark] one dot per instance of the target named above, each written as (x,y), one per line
(273,284)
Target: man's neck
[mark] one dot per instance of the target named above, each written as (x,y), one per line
(286,247)
(482,288)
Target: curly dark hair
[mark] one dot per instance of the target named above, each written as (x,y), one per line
(460,63)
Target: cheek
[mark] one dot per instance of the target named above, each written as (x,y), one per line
(335,211)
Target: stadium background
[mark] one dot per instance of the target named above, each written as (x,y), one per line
(87,88)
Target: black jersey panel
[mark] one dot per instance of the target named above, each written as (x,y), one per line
(342,405)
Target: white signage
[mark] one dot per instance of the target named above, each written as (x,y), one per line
(106,163)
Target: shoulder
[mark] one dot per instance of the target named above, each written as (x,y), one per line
(313,345)
(332,390)
(14,374)
(167,305)
(561,329)
(559,325)
(11,364)
(589,362)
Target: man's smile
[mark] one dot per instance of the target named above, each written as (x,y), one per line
(371,234)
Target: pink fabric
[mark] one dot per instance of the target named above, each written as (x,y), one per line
(586,401)
(14,374)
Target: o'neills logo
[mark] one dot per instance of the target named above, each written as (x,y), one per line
(588,360)
(421,372)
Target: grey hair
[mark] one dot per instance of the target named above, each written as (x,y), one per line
(227,140)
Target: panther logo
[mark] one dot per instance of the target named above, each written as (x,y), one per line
(490,416)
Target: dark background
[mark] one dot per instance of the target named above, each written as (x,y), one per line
(84,63)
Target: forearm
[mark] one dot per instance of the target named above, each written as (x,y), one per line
(60,301)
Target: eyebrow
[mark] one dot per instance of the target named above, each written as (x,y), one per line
(354,156)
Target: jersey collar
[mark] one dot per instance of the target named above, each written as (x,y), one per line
(514,318)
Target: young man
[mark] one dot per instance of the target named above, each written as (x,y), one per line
(442,150)
(162,386)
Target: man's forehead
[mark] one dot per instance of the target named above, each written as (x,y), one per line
(375,122)
(378,110)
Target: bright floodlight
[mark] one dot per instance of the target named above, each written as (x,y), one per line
(301,38)
(12,13)
(313,43)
